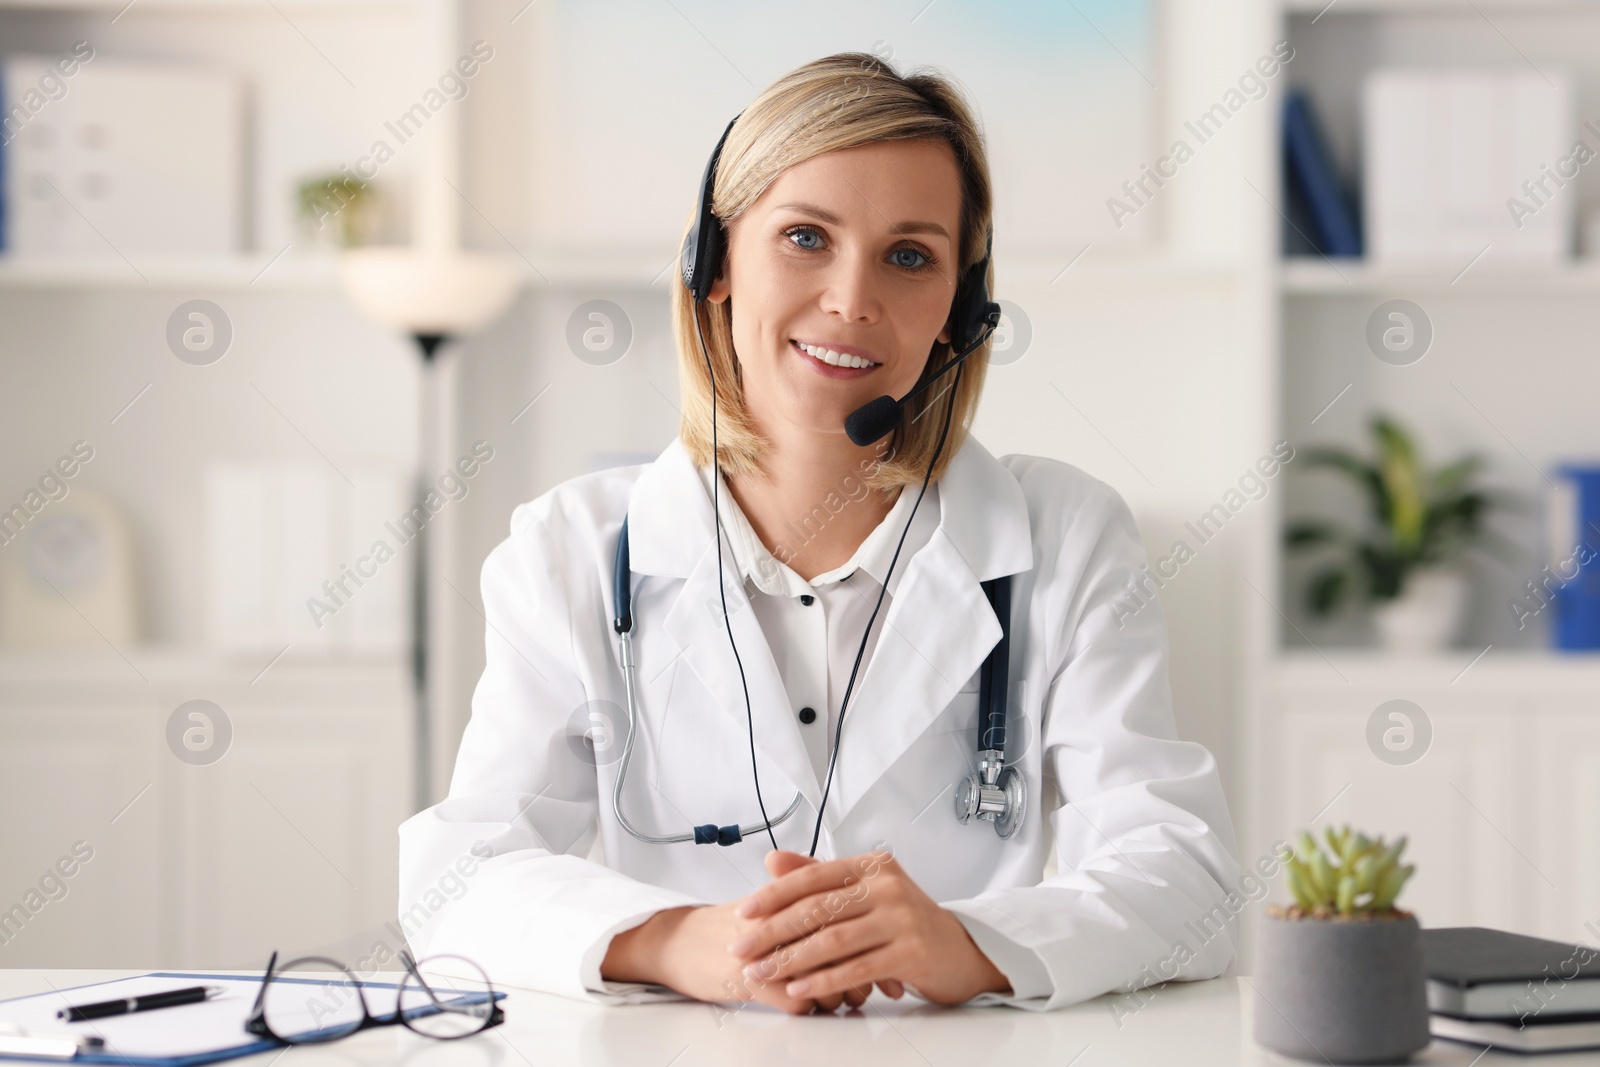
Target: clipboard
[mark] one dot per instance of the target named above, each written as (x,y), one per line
(185,1036)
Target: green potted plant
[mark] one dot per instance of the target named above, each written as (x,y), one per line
(335,208)
(1341,975)
(1421,520)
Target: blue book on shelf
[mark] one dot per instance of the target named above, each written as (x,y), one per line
(1577,572)
(1316,181)
(1298,229)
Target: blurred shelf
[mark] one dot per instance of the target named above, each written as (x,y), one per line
(1475,8)
(261,272)
(605,268)
(221,7)
(1073,270)
(1307,276)
(245,272)
(174,664)
(1521,670)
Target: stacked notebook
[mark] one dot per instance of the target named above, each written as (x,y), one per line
(1491,987)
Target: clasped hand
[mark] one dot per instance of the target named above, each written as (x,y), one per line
(822,933)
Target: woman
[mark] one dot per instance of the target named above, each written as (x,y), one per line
(854,203)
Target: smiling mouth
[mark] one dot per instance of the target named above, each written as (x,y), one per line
(846,360)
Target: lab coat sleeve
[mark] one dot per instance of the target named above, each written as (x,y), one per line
(496,871)
(1147,889)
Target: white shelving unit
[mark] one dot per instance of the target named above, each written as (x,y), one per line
(1314,278)
(232,274)
(1500,809)
(288,840)
(1463,670)
(223,7)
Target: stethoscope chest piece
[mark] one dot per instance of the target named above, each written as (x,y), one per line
(1004,802)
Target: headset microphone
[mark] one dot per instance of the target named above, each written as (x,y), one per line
(872,420)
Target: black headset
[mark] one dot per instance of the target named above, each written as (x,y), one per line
(972,314)
(973,317)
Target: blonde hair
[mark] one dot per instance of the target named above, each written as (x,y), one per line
(840,101)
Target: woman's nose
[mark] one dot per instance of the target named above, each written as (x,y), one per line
(851,290)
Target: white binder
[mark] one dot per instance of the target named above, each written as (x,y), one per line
(130,158)
(1446,151)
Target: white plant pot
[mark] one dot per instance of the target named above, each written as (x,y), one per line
(1426,614)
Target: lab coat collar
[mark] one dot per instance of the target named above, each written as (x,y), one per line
(984,515)
(756,563)
(935,635)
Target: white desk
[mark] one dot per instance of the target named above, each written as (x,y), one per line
(1193,1024)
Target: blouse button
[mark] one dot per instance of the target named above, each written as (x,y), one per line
(806,599)
(808,716)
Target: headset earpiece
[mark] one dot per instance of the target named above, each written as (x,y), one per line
(700,259)
(972,311)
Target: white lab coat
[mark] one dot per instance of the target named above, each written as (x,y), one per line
(1145,846)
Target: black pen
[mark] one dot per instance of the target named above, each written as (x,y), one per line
(148,1002)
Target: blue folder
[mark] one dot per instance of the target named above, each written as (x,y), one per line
(1315,180)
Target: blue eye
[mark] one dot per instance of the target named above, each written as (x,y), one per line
(908,259)
(800,232)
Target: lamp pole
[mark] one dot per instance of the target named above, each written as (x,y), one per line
(436,222)
(436,293)
(431,423)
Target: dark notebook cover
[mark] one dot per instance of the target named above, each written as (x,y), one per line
(1465,956)
(1313,175)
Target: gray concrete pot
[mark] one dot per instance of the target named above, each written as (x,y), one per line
(1342,991)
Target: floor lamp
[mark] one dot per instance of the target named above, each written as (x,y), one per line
(435,296)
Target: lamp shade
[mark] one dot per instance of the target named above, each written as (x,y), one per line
(428,291)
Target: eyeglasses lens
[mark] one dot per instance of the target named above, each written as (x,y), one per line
(454,998)
(311,1000)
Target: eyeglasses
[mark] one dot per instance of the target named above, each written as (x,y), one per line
(315,999)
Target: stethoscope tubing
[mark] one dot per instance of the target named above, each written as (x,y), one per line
(699,835)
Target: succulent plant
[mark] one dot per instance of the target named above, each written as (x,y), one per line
(1356,876)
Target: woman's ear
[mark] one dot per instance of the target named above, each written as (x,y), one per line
(720,289)
(719,286)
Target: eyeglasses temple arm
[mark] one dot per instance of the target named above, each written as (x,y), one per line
(266,976)
(411,967)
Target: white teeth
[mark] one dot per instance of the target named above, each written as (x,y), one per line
(837,359)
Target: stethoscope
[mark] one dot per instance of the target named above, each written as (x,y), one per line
(995,791)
